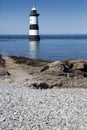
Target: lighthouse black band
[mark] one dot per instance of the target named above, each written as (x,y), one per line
(34,37)
(33,13)
(34,27)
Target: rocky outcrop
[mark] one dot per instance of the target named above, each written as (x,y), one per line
(45,74)
(68,67)
(31,62)
(57,67)
(76,64)
(80,66)
(70,73)
(54,68)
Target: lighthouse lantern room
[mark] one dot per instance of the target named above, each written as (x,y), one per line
(34,28)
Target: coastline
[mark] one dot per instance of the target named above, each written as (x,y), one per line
(70,73)
(37,95)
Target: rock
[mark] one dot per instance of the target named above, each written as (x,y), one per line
(78,66)
(76,63)
(70,62)
(4,72)
(78,73)
(85,74)
(2,61)
(58,84)
(57,68)
(55,63)
(40,85)
(31,62)
(44,68)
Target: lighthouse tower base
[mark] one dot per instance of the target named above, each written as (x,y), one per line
(34,38)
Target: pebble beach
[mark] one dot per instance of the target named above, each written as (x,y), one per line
(24,108)
(28,102)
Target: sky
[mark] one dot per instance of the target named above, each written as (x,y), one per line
(56,16)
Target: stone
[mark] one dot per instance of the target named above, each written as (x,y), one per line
(40,85)
(70,62)
(78,66)
(56,68)
(55,63)
(44,68)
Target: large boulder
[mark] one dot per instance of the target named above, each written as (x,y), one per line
(80,65)
(70,62)
(55,68)
(76,64)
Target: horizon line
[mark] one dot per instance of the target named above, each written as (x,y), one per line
(50,34)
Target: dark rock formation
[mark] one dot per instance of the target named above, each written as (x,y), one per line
(69,73)
(40,85)
(31,62)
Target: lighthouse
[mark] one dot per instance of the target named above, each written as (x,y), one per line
(34,28)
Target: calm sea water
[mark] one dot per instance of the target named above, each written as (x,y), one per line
(50,47)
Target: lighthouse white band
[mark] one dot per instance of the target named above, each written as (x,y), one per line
(33,32)
(33,20)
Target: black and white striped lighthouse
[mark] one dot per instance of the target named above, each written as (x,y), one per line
(34,28)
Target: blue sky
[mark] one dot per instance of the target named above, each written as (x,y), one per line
(56,16)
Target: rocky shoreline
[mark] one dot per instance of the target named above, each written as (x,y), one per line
(70,73)
(42,95)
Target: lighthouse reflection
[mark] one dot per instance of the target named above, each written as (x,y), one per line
(33,49)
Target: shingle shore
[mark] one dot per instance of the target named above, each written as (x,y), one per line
(24,108)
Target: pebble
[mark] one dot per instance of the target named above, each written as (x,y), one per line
(24,108)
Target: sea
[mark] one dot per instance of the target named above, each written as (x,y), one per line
(50,47)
